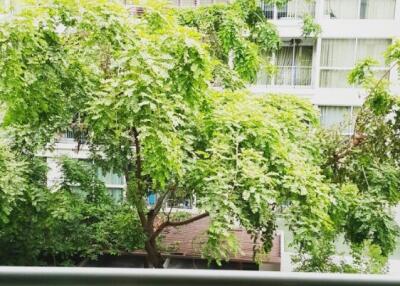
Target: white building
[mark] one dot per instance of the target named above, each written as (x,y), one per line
(317,68)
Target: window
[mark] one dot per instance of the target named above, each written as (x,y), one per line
(71,136)
(294,9)
(110,178)
(338,57)
(360,9)
(294,66)
(117,194)
(67,137)
(115,184)
(181,203)
(342,117)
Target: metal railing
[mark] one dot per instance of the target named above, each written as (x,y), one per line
(294,9)
(287,76)
(27,276)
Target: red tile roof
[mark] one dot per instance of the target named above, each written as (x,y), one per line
(188,240)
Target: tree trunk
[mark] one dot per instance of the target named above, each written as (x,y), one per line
(154,258)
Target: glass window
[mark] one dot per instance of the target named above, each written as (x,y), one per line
(360,9)
(372,48)
(187,3)
(342,9)
(377,9)
(334,78)
(110,178)
(304,8)
(338,57)
(342,117)
(293,9)
(294,66)
(117,194)
(338,52)
(268,10)
(205,2)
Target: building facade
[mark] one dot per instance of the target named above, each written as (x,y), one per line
(317,68)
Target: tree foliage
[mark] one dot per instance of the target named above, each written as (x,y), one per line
(365,170)
(68,226)
(142,93)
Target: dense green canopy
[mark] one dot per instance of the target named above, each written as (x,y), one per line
(145,93)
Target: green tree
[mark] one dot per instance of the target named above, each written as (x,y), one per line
(365,171)
(142,93)
(66,227)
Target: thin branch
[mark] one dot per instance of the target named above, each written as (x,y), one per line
(138,169)
(138,176)
(190,220)
(372,90)
(385,74)
(365,175)
(161,200)
(177,223)
(358,139)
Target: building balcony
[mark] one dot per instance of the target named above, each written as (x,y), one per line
(294,9)
(287,77)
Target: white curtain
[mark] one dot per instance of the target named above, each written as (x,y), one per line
(337,117)
(372,48)
(338,52)
(187,3)
(303,65)
(305,7)
(334,78)
(303,56)
(291,9)
(294,69)
(377,9)
(342,9)
(110,178)
(205,2)
(284,63)
(117,194)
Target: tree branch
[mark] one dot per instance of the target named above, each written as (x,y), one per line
(190,220)
(138,177)
(177,223)
(138,169)
(160,201)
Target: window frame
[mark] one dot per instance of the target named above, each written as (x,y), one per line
(353,116)
(272,80)
(275,11)
(322,68)
(358,12)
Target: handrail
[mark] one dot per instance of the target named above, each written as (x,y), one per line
(27,276)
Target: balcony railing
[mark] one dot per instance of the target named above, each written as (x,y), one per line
(288,76)
(294,9)
(27,276)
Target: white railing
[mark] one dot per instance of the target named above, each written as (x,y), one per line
(287,76)
(294,9)
(27,276)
